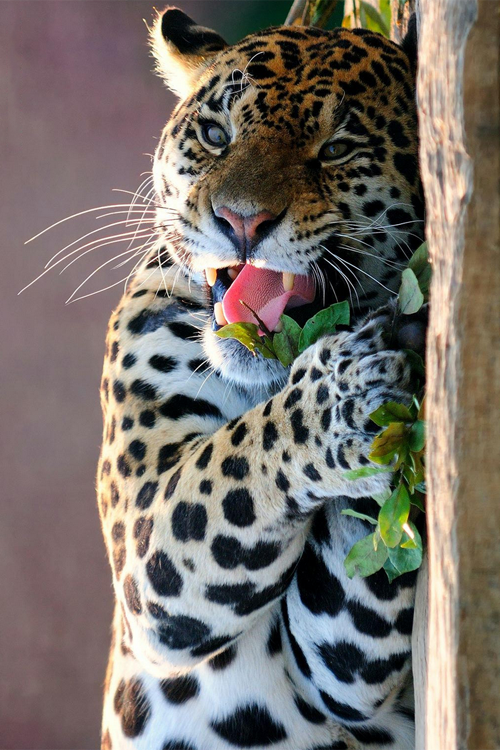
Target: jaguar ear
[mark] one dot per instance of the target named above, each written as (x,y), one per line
(410,41)
(182,49)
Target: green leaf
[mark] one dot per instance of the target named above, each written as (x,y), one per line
(413,474)
(420,259)
(376,22)
(386,444)
(416,468)
(391,412)
(247,334)
(419,264)
(416,437)
(393,514)
(421,410)
(416,362)
(405,560)
(286,343)
(364,559)
(361,516)
(365,471)
(418,500)
(391,571)
(411,298)
(401,456)
(381,497)
(266,348)
(412,542)
(377,539)
(385,11)
(324,322)
(421,487)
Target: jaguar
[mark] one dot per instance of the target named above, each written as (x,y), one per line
(286,179)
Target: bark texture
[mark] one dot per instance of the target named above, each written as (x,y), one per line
(479,394)
(460,690)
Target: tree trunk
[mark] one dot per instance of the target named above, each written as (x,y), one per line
(461,689)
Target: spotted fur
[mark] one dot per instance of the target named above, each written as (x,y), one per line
(222,475)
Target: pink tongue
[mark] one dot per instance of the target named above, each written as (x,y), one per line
(263,292)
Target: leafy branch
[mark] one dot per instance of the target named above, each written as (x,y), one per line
(395,544)
(319,12)
(292,340)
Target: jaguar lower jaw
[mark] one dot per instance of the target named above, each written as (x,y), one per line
(234,363)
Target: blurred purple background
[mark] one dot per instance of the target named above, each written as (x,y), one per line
(80,109)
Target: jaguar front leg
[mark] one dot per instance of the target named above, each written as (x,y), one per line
(349,640)
(205,522)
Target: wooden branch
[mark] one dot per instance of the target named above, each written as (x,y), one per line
(400,15)
(296,13)
(310,13)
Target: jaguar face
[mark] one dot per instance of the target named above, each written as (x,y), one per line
(287,177)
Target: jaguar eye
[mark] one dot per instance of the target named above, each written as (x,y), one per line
(333,151)
(214,135)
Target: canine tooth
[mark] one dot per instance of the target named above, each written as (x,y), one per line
(288,279)
(232,273)
(219,314)
(278,327)
(211,274)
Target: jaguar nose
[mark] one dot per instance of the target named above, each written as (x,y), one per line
(245,231)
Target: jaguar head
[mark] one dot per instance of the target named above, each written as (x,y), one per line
(287,177)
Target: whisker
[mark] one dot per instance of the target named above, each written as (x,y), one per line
(74,216)
(204,363)
(353,238)
(103,265)
(144,281)
(47,270)
(346,279)
(160,266)
(149,246)
(357,268)
(132,272)
(110,286)
(141,187)
(320,279)
(94,231)
(227,392)
(129,192)
(377,218)
(384,261)
(151,192)
(91,294)
(341,260)
(133,211)
(103,243)
(204,382)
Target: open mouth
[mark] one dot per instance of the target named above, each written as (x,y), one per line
(246,294)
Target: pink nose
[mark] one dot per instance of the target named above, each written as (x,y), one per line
(245,231)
